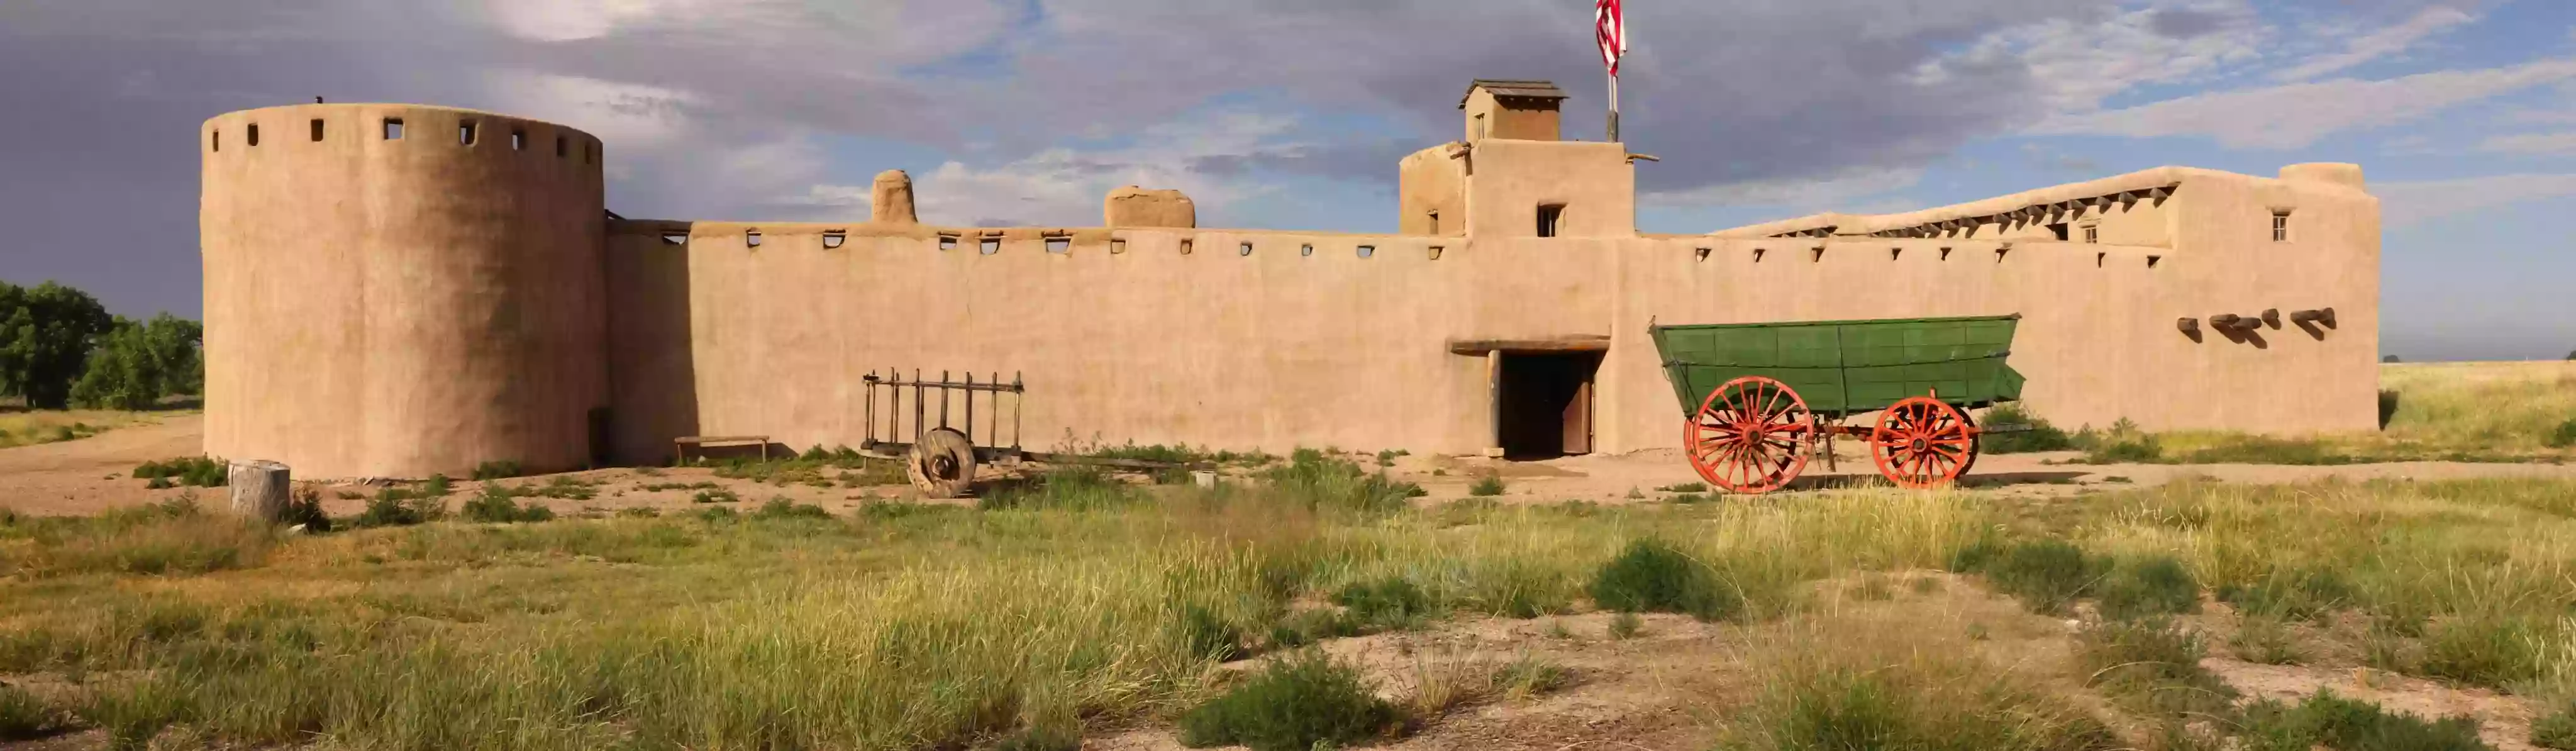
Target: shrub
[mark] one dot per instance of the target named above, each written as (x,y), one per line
(1305,627)
(2483,649)
(1924,702)
(2558,730)
(498,469)
(1063,489)
(2347,725)
(1296,703)
(2564,436)
(2155,586)
(306,510)
(2045,574)
(194,471)
(1626,626)
(437,487)
(395,507)
(2040,437)
(24,717)
(1652,576)
(2153,663)
(1321,482)
(714,495)
(2290,593)
(1489,485)
(1209,635)
(1392,602)
(1684,487)
(782,508)
(495,506)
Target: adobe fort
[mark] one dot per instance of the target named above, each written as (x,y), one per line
(397,290)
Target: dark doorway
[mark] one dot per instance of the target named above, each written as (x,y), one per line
(1545,406)
(600,438)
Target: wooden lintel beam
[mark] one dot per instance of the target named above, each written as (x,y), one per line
(1574,343)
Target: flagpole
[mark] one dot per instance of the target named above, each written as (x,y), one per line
(1614,107)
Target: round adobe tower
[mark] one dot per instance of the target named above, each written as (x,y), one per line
(398,290)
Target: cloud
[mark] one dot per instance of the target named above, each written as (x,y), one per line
(1799,196)
(2296,115)
(2408,203)
(2531,143)
(2382,43)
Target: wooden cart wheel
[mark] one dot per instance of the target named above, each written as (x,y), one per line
(941,464)
(1747,435)
(1921,443)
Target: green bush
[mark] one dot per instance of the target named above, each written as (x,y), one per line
(1392,602)
(306,510)
(1684,487)
(2040,437)
(2155,586)
(2045,574)
(2302,594)
(714,495)
(2558,730)
(1489,485)
(782,508)
(1326,483)
(1074,488)
(495,506)
(2564,436)
(1208,634)
(24,717)
(2154,664)
(2330,721)
(1652,576)
(1297,703)
(395,507)
(2487,650)
(46,333)
(194,471)
(1305,627)
(498,469)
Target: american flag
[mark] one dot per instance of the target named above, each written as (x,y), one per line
(1610,32)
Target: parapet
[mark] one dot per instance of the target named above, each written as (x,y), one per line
(890,200)
(2338,173)
(1132,206)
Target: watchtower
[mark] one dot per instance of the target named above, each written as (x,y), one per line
(1518,110)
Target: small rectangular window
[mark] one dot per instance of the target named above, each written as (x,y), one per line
(518,139)
(1367,250)
(2092,234)
(1059,244)
(253,138)
(1548,217)
(989,245)
(832,239)
(317,129)
(2280,226)
(215,141)
(947,242)
(465,133)
(393,128)
(1434,215)
(1480,126)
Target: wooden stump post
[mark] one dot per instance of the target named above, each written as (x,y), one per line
(260,489)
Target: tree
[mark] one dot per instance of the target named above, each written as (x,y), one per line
(2571,354)
(2389,359)
(45,336)
(136,364)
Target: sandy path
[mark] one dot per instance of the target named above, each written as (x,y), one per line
(86,475)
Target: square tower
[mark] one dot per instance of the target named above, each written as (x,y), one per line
(1516,110)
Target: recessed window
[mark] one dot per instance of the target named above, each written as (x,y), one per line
(2280,220)
(1245,250)
(1757,255)
(832,239)
(1700,254)
(1185,246)
(947,241)
(253,138)
(465,133)
(1548,216)
(1945,254)
(751,238)
(1435,252)
(518,139)
(1306,249)
(1999,254)
(1480,126)
(2058,229)
(2092,233)
(560,150)
(1367,250)
(2098,258)
(317,129)
(1434,217)
(1117,245)
(1816,254)
(393,128)
(1892,253)
(2151,261)
(989,245)
(1059,245)
(215,141)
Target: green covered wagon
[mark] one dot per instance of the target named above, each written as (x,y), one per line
(1760,397)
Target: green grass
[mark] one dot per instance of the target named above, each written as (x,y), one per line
(1487,486)
(1295,703)
(496,505)
(1652,576)
(190,471)
(20,427)
(1841,688)
(2557,729)
(499,469)
(841,467)
(24,717)
(2042,436)
(2152,664)
(1684,487)
(907,626)
(2473,412)
(2328,721)
(1075,488)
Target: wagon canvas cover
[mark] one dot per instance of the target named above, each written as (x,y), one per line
(1848,367)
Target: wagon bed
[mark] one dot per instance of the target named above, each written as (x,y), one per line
(1760,397)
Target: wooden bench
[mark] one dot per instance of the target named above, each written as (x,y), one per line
(680,446)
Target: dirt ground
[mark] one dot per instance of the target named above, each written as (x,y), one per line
(93,474)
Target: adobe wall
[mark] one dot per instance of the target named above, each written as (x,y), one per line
(1428,181)
(400,307)
(1280,349)
(1507,180)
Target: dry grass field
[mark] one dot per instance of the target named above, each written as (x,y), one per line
(1319,599)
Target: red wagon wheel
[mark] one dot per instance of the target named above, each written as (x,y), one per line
(1746,436)
(1921,442)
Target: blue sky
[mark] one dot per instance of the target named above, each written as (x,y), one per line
(1291,114)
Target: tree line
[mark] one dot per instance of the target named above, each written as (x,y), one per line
(59,348)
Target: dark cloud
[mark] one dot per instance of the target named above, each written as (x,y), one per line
(2184,23)
(103,97)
